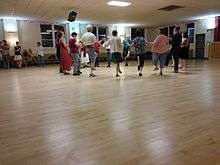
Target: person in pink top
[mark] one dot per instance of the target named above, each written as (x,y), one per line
(160,47)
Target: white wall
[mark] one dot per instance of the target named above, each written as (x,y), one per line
(29,34)
(202,27)
(10,31)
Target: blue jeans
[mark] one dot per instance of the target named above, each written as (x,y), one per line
(161,59)
(109,57)
(41,60)
(92,56)
(76,62)
(155,59)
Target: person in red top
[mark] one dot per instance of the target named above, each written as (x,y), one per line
(74,50)
(97,47)
(65,58)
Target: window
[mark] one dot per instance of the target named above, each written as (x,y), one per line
(134,30)
(102,31)
(58,28)
(46,35)
(94,31)
(49,34)
(190,31)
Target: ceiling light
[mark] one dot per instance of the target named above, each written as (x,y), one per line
(119,3)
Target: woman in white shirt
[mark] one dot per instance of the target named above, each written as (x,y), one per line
(116,49)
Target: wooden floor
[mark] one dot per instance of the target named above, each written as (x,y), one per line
(50,119)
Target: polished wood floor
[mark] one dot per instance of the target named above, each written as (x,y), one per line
(50,119)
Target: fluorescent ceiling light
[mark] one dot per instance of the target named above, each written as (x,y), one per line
(119,3)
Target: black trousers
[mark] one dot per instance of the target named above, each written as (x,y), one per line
(175,52)
(168,57)
(141,60)
(97,61)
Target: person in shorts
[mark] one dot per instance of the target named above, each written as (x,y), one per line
(116,49)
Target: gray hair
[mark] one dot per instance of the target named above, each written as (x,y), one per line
(89,28)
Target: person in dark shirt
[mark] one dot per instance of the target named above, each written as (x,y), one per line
(176,47)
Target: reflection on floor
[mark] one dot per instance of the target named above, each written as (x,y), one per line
(50,119)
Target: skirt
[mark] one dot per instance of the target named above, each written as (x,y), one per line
(17,58)
(184,54)
(116,57)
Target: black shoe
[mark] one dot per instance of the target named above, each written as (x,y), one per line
(61,71)
(139,68)
(66,73)
(108,66)
(156,69)
(175,71)
(92,75)
(140,74)
(126,64)
(161,73)
(79,72)
(76,74)
(117,75)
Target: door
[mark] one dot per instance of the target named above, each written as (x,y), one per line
(200,46)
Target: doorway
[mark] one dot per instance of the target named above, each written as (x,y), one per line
(200,46)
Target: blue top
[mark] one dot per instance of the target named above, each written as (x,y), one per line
(139,45)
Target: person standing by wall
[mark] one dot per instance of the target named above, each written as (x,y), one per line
(176,48)
(65,58)
(40,54)
(88,40)
(5,54)
(18,57)
(161,48)
(184,55)
(75,53)
(139,45)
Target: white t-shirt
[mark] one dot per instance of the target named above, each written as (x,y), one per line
(88,39)
(115,44)
(40,51)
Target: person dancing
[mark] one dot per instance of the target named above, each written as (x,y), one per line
(88,40)
(139,45)
(161,48)
(126,49)
(116,49)
(184,55)
(75,53)
(65,58)
(176,48)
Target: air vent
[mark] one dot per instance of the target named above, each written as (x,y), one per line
(171,8)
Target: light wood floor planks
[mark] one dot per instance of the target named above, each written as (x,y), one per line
(50,119)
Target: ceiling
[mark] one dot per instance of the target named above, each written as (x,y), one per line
(140,12)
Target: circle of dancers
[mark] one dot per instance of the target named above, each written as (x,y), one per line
(86,49)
